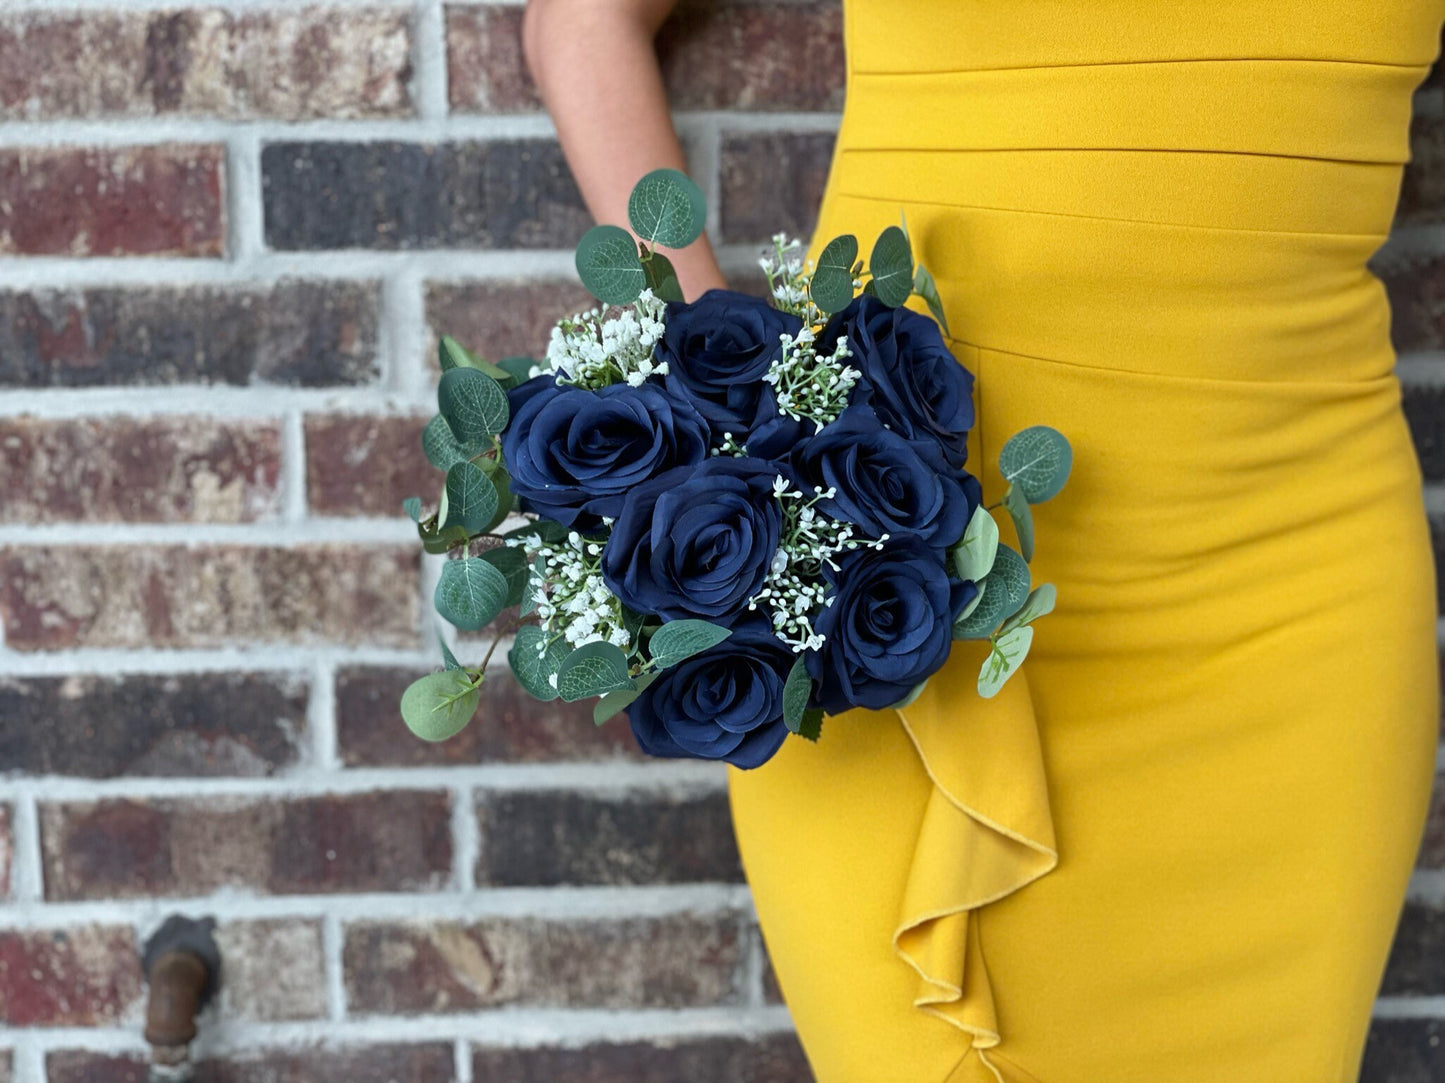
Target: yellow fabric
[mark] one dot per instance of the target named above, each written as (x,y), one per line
(1175,847)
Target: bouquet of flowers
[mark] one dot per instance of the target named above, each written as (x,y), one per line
(738,515)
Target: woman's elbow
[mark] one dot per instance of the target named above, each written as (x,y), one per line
(548,25)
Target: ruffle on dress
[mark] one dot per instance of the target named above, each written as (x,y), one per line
(987,831)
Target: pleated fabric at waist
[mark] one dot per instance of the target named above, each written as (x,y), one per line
(1188,217)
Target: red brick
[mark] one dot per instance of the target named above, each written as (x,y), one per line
(366,465)
(771,182)
(756,57)
(122,469)
(421,967)
(7,847)
(176,596)
(387,841)
(85,976)
(207,724)
(510,726)
(774,1058)
(429,1063)
(274,970)
(127,201)
(299,332)
(509,317)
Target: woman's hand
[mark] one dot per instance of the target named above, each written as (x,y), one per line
(596,66)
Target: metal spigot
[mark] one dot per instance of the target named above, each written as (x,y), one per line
(183,967)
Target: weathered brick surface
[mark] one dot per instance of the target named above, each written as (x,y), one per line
(772,1059)
(1404,1051)
(550,837)
(509,727)
(175,596)
(1422,194)
(291,65)
(1425,410)
(664,962)
(1417,961)
(509,317)
(432,1062)
(396,840)
(1416,287)
(164,469)
(154,200)
(293,332)
(755,57)
(772,182)
(366,465)
(1432,847)
(7,847)
(274,970)
(6,1067)
(153,724)
(79,976)
(392,195)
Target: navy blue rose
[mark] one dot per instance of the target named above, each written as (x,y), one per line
(723,704)
(776,434)
(717,350)
(910,378)
(696,541)
(574,454)
(890,625)
(885,484)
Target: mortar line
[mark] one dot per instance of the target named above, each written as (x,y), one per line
(404,331)
(321,716)
(466,839)
(293,466)
(297,529)
(284,658)
(463,1061)
(29,1062)
(244,201)
(332,940)
(27,862)
(67,7)
(429,60)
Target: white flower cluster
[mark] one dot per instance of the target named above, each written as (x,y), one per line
(593,350)
(787,280)
(808,384)
(794,589)
(573,600)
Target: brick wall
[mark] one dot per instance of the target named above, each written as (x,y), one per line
(228,235)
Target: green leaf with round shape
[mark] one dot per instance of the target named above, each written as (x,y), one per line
(831,286)
(662,278)
(667,208)
(680,639)
(474,405)
(439,705)
(532,592)
(810,727)
(518,368)
(797,690)
(512,563)
(1019,511)
(412,506)
(534,667)
(593,669)
(973,555)
(1004,589)
(891,266)
(452,354)
(1037,460)
(608,265)
(471,498)
(966,612)
(1004,660)
(470,593)
(613,704)
(441,446)
(927,288)
(502,482)
(1039,603)
(443,541)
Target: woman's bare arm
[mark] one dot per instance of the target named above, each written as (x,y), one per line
(596,66)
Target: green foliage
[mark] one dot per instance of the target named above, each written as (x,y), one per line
(593,669)
(613,704)
(441,446)
(512,563)
(967,611)
(440,705)
(832,283)
(1040,601)
(518,368)
(797,690)
(810,726)
(661,277)
(1004,660)
(448,658)
(680,639)
(927,288)
(442,541)
(452,354)
(891,266)
(474,405)
(1005,588)
(973,555)
(471,498)
(412,506)
(667,208)
(608,264)
(1037,460)
(470,593)
(1019,511)
(533,668)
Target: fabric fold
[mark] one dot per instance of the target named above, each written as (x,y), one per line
(986,832)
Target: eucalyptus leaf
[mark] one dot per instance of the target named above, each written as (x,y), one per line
(448,658)
(973,555)
(680,639)
(891,266)
(927,288)
(1037,460)
(512,563)
(452,354)
(439,705)
(441,446)
(412,506)
(470,593)
(967,611)
(533,667)
(518,368)
(613,704)
(797,690)
(471,498)
(608,265)
(1022,515)
(1004,660)
(474,405)
(811,725)
(532,592)
(1039,603)
(632,622)
(1005,589)
(593,669)
(666,207)
(443,541)
(831,286)
(661,277)
(502,482)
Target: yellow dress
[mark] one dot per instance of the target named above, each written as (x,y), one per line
(1175,847)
